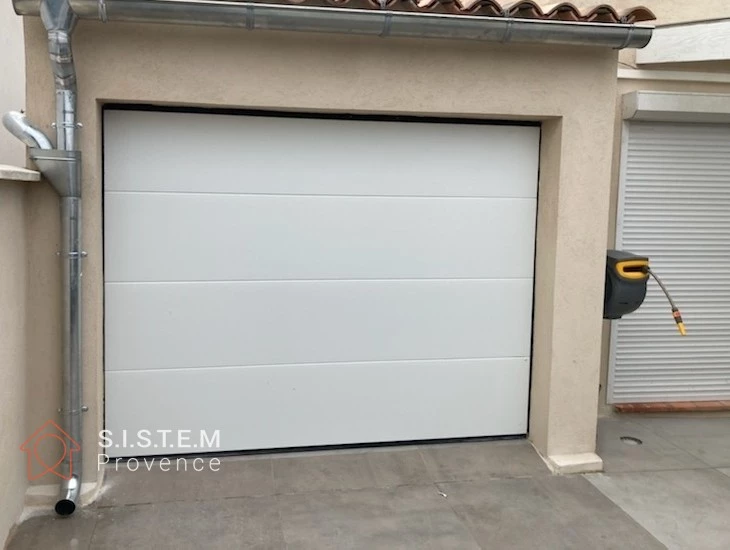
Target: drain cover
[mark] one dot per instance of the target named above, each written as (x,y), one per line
(631,440)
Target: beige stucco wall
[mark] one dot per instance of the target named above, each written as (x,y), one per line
(12,353)
(12,280)
(571,90)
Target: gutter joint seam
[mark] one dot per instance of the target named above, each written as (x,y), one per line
(387,24)
(510,25)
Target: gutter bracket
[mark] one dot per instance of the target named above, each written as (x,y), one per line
(627,41)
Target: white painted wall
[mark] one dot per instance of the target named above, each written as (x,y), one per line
(707,41)
(12,281)
(12,82)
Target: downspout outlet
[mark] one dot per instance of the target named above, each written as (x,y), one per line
(70,492)
(17,124)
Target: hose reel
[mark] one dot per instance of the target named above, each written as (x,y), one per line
(626,279)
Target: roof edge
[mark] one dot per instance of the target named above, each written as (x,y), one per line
(254,15)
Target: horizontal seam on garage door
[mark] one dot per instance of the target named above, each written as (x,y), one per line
(330,195)
(320,363)
(338,280)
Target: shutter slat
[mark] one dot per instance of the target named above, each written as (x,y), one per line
(675,209)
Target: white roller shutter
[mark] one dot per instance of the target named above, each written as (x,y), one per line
(674,206)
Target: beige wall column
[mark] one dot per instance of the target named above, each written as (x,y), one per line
(570,265)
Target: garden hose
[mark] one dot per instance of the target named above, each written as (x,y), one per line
(675,310)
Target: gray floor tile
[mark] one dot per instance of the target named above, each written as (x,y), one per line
(401,518)
(236,477)
(394,467)
(710,449)
(656,453)
(55,533)
(544,512)
(239,477)
(251,523)
(135,526)
(482,460)
(682,425)
(683,509)
(142,487)
(322,472)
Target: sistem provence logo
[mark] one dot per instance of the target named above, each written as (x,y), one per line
(171,441)
(42,442)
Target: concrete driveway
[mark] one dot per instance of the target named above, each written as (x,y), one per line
(672,490)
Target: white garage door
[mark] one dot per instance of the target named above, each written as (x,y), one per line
(298,282)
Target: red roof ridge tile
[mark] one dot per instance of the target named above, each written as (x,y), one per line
(483,7)
(526,9)
(564,11)
(602,13)
(523,9)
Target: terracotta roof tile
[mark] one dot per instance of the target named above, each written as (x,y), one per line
(564,11)
(483,7)
(525,9)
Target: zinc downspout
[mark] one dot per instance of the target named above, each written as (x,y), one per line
(384,22)
(72,408)
(62,167)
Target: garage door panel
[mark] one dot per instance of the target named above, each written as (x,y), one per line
(297,282)
(250,237)
(322,404)
(258,323)
(190,152)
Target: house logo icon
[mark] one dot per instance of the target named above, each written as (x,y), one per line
(43,437)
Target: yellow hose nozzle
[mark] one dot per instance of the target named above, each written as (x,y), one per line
(678,319)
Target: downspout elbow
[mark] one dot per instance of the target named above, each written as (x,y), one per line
(17,124)
(59,20)
(62,62)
